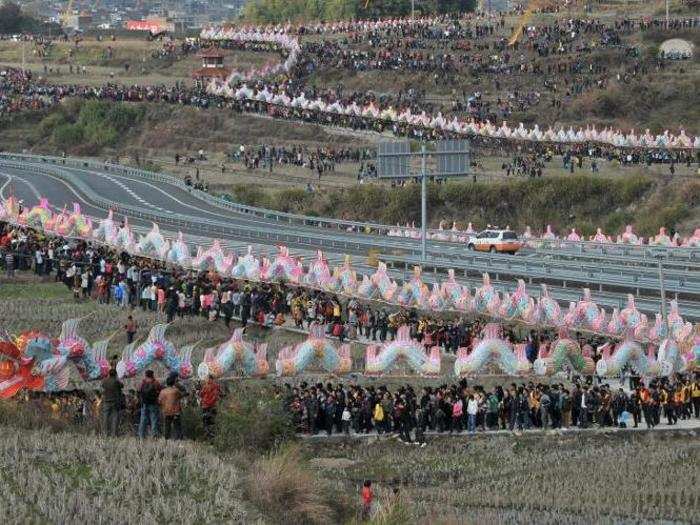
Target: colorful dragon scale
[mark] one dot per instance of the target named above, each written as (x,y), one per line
(318,275)
(153,244)
(628,352)
(518,304)
(457,295)
(292,361)
(564,352)
(75,224)
(344,279)
(251,358)
(588,315)
(107,230)
(380,361)
(36,366)
(247,267)
(630,316)
(491,348)
(40,215)
(91,363)
(549,308)
(385,286)
(213,258)
(486,298)
(678,328)
(156,348)
(414,292)
(284,267)
(179,252)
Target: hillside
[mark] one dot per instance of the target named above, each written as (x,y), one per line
(582,202)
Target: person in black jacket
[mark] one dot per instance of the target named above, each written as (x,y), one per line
(112,402)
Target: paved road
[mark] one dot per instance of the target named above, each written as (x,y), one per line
(177,208)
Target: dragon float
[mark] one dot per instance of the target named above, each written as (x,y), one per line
(486,298)
(449,295)
(247,267)
(39,217)
(402,348)
(34,361)
(74,224)
(179,252)
(29,363)
(213,258)
(565,353)
(414,293)
(153,244)
(629,353)
(107,230)
(283,268)
(250,358)
(344,279)
(490,349)
(318,275)
(135,359)
(292,361)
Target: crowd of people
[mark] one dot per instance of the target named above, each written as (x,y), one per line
(321,159)
(409,414)
(151,409)
(97,273)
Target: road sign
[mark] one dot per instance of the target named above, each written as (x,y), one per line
(452,158)
(393,160)
(448,158)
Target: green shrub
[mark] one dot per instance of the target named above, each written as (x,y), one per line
(252,418)
(249,195)
(66,136)
(49,123)
(293,200)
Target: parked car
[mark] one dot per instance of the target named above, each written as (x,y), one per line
(501,241)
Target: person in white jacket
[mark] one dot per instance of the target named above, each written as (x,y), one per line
(472,409)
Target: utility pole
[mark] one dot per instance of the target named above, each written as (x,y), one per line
(413,9)
(662,289)
(667,1)
(423,202)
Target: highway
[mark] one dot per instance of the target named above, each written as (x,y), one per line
(611,272)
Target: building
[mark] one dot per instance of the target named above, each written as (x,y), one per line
(212,66)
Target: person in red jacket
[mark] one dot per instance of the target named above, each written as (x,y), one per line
(209,397)
(367,498)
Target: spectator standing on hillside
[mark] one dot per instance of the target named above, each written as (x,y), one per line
(131,326)
(112,402)
(367,498)
(209,397)
(9,264)
(169,400)
(148,392)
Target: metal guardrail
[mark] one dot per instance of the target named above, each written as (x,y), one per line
(582,247)
(637,279)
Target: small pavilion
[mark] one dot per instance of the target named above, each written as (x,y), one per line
(212,66)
